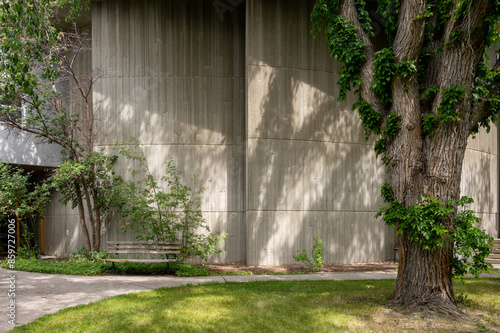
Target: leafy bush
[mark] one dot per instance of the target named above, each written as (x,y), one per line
(22,196)
(426,224)
(188,270)
(81,254)
(317,253)
(163,215)
(25,252)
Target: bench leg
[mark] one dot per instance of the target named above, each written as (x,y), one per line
(114,272)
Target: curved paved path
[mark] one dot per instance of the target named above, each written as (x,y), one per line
(40,294)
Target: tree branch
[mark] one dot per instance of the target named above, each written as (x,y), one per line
(349,12)
(411,32)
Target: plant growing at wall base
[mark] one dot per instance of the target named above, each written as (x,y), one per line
(317,253)
(165,210)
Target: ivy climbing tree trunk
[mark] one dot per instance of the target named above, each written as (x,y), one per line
(423,96)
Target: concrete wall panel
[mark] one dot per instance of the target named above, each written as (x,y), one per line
(177,84)
(310,171)
(480,178)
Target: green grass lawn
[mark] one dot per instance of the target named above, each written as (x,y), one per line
(274,306)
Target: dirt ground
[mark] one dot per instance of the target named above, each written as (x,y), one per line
(296,269)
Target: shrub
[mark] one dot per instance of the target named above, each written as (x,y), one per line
(317,253)
(25,252)
(165,215)
(81,254)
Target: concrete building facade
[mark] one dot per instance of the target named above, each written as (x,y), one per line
(240,93)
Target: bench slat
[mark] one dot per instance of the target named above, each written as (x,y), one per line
(143,252)
(145,247)
(140,260)
(141,242)
(142,247)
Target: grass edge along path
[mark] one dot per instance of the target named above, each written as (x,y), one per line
(274,306)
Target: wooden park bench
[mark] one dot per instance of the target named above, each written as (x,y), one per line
(168,250)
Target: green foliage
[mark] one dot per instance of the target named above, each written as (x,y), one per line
(189,270)
(392,126)
(389,9)
(389,132)
(317,253)
(387,193)
(406,68)
(455,37)
(27,252)
(371,120)
(36,63)
(429,123)
(165,215)
(427,224)
(472,245)
(430,93)
(380,146)
(343,43)
(82,262)
(441,10)
(364,17)
(451,97)
(81,254)
(65,267)
(490,25)
(425,14)
(94,168)
(486,82)
(384,70)
(302,256)
(21,195)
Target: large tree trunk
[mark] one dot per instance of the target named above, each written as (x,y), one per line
(424,277)
(424,167)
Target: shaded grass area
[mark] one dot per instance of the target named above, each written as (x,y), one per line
(273,306)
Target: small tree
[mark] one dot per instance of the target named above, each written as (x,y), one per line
(165,215)
(23,198)
(39,75)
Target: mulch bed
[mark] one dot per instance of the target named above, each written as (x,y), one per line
(295,269)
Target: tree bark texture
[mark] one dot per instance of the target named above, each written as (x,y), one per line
(83,222)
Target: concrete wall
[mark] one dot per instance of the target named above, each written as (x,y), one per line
(248,100)
(178,86)
(480,178)
(23,149)
(310,171)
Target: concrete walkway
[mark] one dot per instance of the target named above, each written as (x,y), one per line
(40,294)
